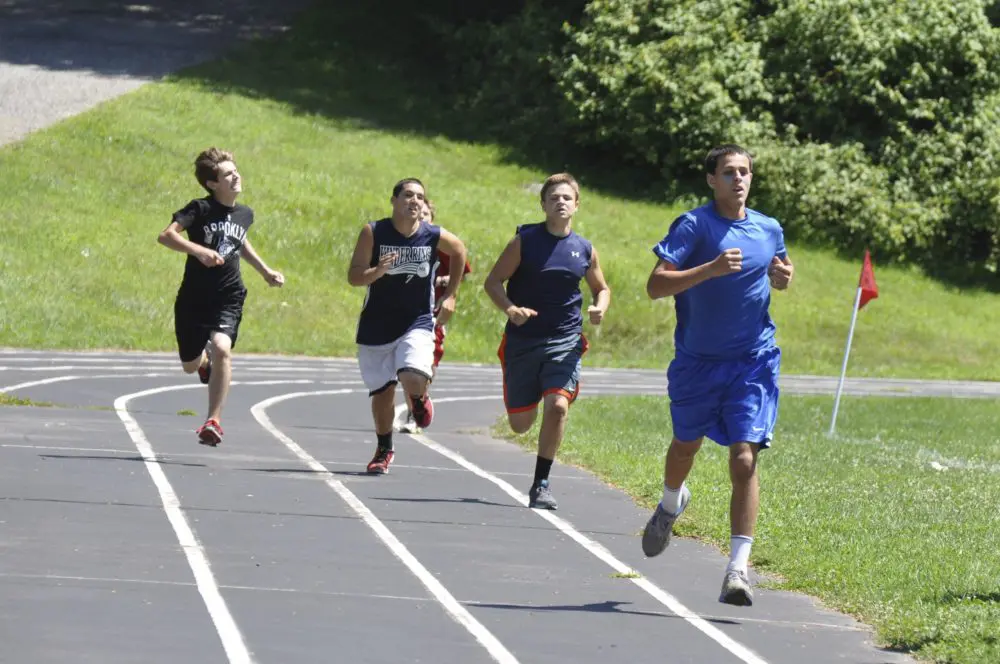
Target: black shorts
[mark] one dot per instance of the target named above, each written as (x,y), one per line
(195,321)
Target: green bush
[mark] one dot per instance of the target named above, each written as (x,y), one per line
(659,81)
(836,196)
(502,72)
(865,70)
(874,123)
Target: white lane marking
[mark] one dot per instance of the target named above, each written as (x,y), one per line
(404,598)
(250,368)
(452,607)
(595,548)
(331,462)
(225,625)
(158,582)
(62,379)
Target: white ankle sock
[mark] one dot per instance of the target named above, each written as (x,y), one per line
(671,499)
(739,552)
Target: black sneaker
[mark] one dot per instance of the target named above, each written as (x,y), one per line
(540,496)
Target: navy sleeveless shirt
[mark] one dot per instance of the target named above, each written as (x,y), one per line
(403,298)
(548,281)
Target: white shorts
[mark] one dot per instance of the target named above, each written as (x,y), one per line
(380,364)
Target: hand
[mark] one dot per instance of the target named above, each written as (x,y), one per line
(384,263)
(210,258)
(443,281)
(596,314)
(520,315)
(728,262)
(779,273)
(274,278)
(444,309)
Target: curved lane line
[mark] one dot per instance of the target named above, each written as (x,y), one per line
(225,625)
(452,607)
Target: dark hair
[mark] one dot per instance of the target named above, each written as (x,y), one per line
(405,181)
(716,153)
(558,179)
(206,165)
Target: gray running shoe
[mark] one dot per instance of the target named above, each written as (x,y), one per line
(540,496)
(656,535)
(736,589)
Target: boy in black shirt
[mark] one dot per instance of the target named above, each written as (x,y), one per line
(209,304)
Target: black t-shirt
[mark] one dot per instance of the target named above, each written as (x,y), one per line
(211,224)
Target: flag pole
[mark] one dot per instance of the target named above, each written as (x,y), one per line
(843,369)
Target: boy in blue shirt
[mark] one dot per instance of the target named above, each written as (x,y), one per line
(719,262)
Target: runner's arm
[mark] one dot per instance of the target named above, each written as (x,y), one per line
(599,288)
(360,272)
(666,279)
(781,272)
(455,248)
(504,269)
(273,277)
(171,238)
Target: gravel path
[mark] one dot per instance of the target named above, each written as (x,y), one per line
(62,57)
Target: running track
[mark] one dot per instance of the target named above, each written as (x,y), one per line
(122,540)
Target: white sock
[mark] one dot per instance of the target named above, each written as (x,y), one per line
(671,499)
(739,552)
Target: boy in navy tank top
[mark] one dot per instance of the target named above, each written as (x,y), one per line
(543,342)
(719,262)
(396,260)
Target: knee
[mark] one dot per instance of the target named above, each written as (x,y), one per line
(412,382)
(222,353)
(743,464)
(191,367)
(556,409)
(684,451)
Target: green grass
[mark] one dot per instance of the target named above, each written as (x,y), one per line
(320,140)
(894,521)
(11,400)
(187,412)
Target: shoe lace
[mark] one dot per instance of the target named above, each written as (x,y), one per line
(664,519)
(736,576)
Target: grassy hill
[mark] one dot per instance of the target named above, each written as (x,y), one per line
(323,122)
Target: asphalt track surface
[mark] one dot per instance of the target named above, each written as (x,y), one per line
(123,540)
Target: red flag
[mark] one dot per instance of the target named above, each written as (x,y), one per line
(869,289)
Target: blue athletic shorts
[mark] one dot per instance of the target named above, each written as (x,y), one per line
(730,402)
(534,367)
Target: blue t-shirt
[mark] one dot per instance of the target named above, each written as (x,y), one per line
(402,299)
(723,318)
(548,281)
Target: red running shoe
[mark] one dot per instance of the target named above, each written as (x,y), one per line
(205,373)
(423,411)
(379,465)
(210,433)
(205,370)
